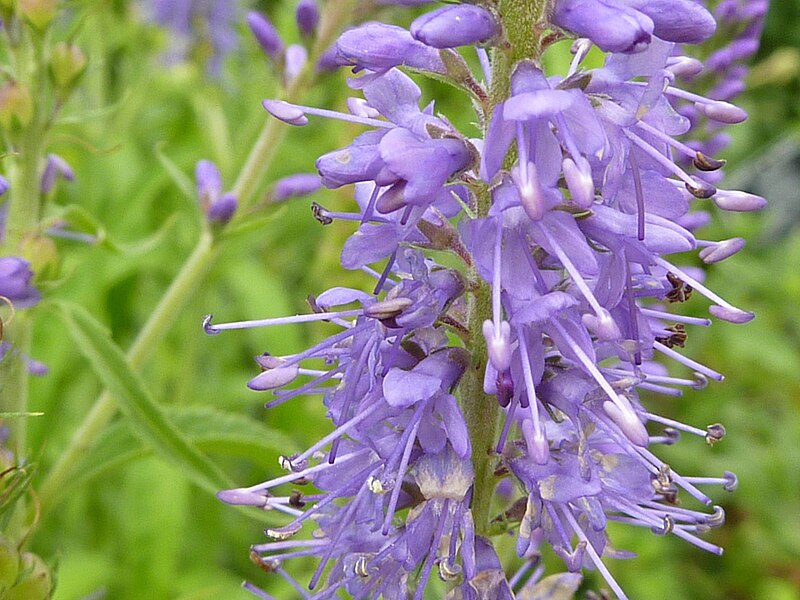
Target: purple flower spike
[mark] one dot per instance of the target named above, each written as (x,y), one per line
(458,25)
(15,282)
(307,16)
(265,33)
(4,185)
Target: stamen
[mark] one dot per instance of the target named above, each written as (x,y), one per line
(659,314)
(637,185)
(294,114)
(537,442)
(308,318)
(723,310)
(708,372)
(593,556)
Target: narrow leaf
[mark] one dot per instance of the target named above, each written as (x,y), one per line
(147,418)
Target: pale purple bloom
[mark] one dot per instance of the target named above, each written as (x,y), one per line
(16,282)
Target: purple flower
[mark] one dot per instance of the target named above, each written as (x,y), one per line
(15,282)
(561,220)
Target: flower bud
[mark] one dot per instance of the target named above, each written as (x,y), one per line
(296,57)
(33,582)
(456,25)
(9,564)
(737,201)
(265,33)
(724,112)
(307,16)
(39,13)
(16,105)
(67,64)
(297,185)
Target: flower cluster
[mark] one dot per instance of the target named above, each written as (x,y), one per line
(563,216)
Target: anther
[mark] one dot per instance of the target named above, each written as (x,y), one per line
(715,433)
(285,532)
(208,327)
(360,567)
(388,309)
(666,527)
(731,482)
(448,571)
(701,189)
(320,214)
(706,163)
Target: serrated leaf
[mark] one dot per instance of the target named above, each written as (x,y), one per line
(146,417)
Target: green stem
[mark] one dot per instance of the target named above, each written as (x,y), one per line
(24,210)
(481,411)
(193,271)
(522,27)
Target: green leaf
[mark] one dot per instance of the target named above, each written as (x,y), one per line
(210,429)
(178,177)
(147,418)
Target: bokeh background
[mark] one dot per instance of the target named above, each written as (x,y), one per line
(130,525)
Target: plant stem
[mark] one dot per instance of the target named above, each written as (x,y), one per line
(521,24)
(481,411)
(24,210)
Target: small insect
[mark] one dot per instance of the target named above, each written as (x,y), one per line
(680,291)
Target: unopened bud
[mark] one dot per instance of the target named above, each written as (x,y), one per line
(16,105)
(736,201)
(39,13)
(67,64)
(33,581)
(724,112)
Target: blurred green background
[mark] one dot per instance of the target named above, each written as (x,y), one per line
(131,526)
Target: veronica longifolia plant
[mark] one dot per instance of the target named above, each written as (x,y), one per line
(503,396)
